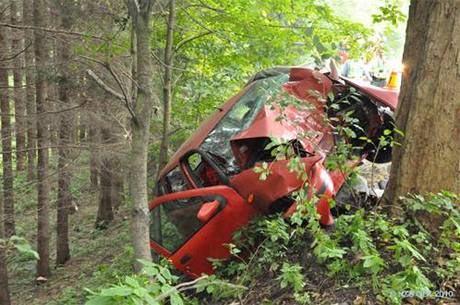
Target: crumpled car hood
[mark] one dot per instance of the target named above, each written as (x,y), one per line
(307,125)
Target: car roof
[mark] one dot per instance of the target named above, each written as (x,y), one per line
(387,97)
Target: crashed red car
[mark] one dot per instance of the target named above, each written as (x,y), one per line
(209,189)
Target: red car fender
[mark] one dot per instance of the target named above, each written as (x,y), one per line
(323,186)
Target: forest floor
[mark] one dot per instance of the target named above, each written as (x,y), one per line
(98,257)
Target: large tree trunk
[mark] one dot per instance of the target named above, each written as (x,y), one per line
(429,104)
(66,128)
(19,103)
(143,109)
(27,18)
(42,59)
(7,162)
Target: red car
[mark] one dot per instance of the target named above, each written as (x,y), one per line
(209,189)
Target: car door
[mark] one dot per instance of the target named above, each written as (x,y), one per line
(196,224)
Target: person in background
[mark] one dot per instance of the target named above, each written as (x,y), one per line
(355,69)
(378,70)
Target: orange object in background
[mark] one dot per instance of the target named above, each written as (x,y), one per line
(394,82)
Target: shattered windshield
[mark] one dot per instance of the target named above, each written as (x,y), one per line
(240,117)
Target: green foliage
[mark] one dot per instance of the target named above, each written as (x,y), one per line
(291,276)
(219,45)
(156,285)
(263,170)
(21,246)
(390,12)
(378,253)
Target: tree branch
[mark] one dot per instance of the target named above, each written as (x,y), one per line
(104,86)
(50,30)
(16,54)
(191,38)
(121,96)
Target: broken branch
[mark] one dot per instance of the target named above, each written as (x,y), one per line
(104,86)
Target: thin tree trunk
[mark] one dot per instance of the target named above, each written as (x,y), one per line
(30,89)
(105,211)
(143,109)
(116,171)
(167,86)
(81,129)
(64,199)
(428,159)
(94,141)
(19,103)
(117,183)
(52,20)
(7,162)
(42,59)
(133,53)
(4,289)
(66,139)
(167,101)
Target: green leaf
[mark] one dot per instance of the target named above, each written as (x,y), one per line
(100,300)
(176,299)
(387,132)
(131,282)
(26,249)
(116,291)
(150,300)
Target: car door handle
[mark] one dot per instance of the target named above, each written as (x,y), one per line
(184,259)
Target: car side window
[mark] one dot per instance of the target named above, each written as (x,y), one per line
(173,182)
(178,222)
(202,171)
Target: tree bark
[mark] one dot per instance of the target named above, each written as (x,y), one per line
(30,89)
(66,139)
(4,289)
(19,103)
(429,104)
(41,60)
(105,211)
(7,217)
(117,172)
(94,142)
(167,86)
(143,110)
(7,162)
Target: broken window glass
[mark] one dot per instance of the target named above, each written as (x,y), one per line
(240,117)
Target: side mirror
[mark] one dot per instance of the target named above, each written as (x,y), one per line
(208,210)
